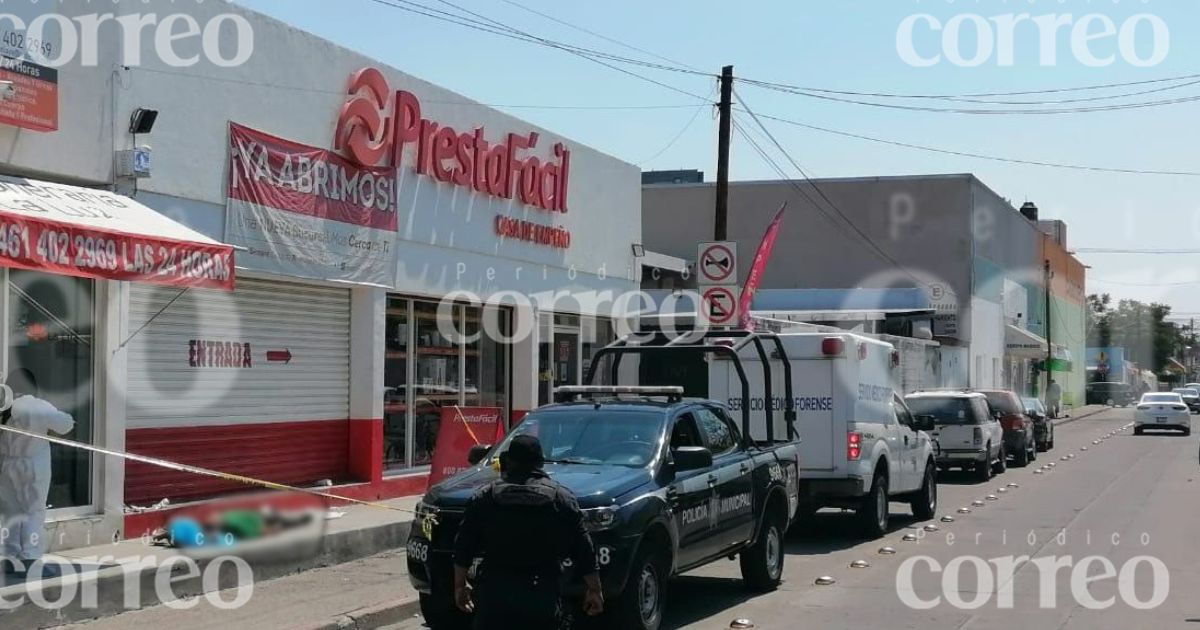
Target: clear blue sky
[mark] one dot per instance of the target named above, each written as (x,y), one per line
(845,45)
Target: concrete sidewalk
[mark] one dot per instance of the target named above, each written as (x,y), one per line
(113,579)
(366,593)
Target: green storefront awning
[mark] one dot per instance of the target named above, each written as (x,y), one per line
(1058,365)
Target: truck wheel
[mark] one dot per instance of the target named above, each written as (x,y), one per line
(762,562)
(640,606)
(873,511)
(442,615)
(924,502)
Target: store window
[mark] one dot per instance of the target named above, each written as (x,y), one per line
(51,319)
(395,384)
(430,367)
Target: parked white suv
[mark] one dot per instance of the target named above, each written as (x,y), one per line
(968,434)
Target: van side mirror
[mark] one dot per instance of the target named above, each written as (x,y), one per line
(691,458)
(477,453)
(924,423)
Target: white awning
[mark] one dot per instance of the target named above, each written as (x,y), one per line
(663,261)
(92,233)
(1022,344)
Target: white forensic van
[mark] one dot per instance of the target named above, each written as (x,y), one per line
(860,447)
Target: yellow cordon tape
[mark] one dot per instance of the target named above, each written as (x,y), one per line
(271,485)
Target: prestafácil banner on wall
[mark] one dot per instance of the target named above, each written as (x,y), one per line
(459,429)
(307,212)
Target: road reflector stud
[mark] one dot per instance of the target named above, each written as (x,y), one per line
(1039,472)
(992,497)
(741,624)
(909,538)
(825,580)
(1001,490)
(1013,485)
(887,551)
(947,519)
(964,510)
(931,528)
(860,564)
(977,504)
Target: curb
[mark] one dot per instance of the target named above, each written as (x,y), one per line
(370,617)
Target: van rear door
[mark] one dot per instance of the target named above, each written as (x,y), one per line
(812,380)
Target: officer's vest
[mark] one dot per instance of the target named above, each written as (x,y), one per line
(527,525)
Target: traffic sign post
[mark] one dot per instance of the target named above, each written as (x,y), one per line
(718,305)
(716,263)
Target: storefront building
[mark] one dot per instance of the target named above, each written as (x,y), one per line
(366,263)
(981,262)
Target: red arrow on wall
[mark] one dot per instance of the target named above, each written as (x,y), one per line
(279,356)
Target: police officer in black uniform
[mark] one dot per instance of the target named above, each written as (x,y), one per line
(524,525)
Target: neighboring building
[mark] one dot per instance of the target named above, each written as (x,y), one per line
(976,257)
(673,177)
(326,360)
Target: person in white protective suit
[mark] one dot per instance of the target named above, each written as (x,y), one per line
(25,471)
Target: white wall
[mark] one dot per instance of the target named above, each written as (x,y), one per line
(987,343)
(293,87)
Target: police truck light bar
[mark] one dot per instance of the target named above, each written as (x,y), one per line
(638,390)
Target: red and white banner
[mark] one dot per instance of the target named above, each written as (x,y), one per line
(757,268)
(460,429)
(98,234)
(308,212)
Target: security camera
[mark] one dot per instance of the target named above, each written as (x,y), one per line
(7,90)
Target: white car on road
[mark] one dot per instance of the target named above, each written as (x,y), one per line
(1162,411)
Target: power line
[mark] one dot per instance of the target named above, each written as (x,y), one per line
(974,111)
(312,90)
(682,131)
(601,36)
(981,156)
(505,30)
(588,54)
(1085,99)
(820,192)
(1085,88)
(486,24)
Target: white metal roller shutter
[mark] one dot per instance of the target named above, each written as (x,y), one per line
(311,322)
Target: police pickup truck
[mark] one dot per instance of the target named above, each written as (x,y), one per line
(666,484)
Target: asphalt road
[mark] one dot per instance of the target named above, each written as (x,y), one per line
(1124,498)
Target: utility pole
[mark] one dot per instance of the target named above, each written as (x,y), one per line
(725,111)
(1049,343)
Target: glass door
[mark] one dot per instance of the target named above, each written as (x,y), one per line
(49,339)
